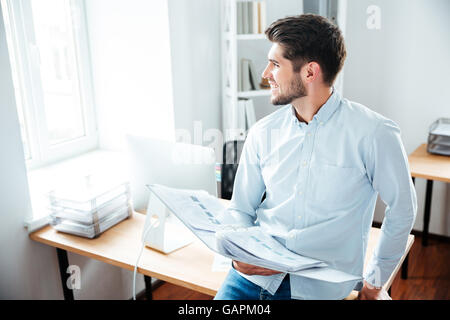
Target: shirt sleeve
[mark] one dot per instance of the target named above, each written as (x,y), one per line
(248,185)
(388,170)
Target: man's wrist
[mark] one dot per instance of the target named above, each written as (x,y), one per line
(371,287)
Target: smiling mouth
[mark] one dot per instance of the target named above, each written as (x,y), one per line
(273,85)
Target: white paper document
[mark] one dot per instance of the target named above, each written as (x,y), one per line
(187,206)
(256,247)
(442,129)
(203,214)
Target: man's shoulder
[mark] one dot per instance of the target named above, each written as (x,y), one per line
(274,119)
(363,117)
(361,111)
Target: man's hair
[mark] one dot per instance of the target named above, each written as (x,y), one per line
(309,37)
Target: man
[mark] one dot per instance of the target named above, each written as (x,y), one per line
(322,161)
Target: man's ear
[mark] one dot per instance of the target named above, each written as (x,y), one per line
(311,72)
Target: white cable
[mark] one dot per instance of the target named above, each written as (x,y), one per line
(139,257)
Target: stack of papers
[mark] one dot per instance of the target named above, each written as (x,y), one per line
(254,246)
(439,137)
(89,206)
(204,215)
(442,129)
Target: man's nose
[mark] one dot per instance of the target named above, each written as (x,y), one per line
(266,72)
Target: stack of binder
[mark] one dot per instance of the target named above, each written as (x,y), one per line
(439,137)
(87,209)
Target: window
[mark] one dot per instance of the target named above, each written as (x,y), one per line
(47,42)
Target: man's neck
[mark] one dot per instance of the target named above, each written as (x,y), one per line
(306,107)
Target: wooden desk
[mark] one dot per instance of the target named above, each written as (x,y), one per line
(430,167)
(188,267)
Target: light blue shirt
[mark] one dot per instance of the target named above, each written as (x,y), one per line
(321,181)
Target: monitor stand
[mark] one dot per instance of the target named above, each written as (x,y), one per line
(164,235)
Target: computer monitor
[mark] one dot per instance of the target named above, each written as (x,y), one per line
(177,165)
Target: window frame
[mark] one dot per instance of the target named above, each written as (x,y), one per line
(26,56)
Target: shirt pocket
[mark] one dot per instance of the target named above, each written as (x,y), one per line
(336,188)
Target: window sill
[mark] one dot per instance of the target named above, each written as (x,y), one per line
(42,180)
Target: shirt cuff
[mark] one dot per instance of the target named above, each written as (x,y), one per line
(377,275)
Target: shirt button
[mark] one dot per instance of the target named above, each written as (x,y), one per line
(304,163)
(299,217)
(321,123)
(300,193)
(309,134)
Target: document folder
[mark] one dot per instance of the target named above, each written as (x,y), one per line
(204,215)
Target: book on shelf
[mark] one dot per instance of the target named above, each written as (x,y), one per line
(248,78)
(239,17)
(258,8)
(250,116)
(236,122)
(251,17)
(255,20)
(245,75)
(245,115)
(262,16)
(252,75)
(241,116)
(245,26)
(242,119)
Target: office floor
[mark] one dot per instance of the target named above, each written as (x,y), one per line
(428,276)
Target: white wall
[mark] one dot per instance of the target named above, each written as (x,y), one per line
(402,71)
(130,50)
(196,66)
(24,264)
(156,68)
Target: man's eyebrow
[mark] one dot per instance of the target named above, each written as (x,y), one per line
(274,61)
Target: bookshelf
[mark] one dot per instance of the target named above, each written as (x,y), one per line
(242,28)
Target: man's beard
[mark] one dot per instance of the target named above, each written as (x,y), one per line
(296,90)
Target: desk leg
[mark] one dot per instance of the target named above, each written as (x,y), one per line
(426,216)
(405,267)
(148,287)
(63,262)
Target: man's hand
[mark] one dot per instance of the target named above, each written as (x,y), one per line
(369,292)
(252,270)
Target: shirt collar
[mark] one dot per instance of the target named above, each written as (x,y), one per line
(326,110)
